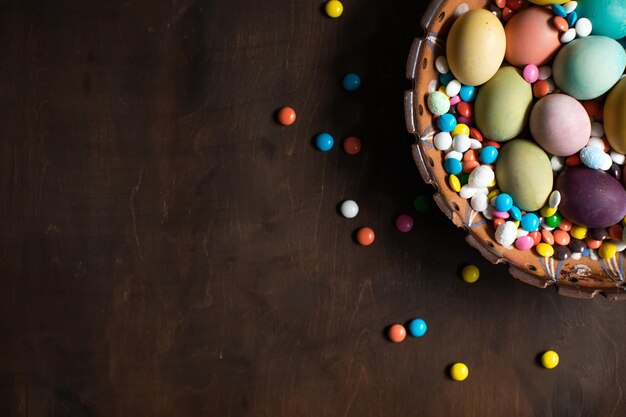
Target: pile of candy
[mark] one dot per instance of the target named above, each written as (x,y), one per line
(529,110)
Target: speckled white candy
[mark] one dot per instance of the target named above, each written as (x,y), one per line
(568,36)
(479,202)
(596,143)
(349,209)
(618,158)
(438,103)
(597,129)
(595,158)
(555,199)
(583,27)
(557,162)
(467,191)
(442,141)
(481,176)
(441,63)
(461,143)
(506,233)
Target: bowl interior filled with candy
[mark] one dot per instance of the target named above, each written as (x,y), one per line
(519,114)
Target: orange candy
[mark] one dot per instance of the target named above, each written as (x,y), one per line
(469,166)
(286,116)
(565,225)
(507,14)
(616,231)
(491,143)
(592,244)
(501,3)
(497,222)
(547,237)
(397,333)
(352,145)
(365,236)
(541,88)
(560,23)
(536,235)
(561,237)
(475,134)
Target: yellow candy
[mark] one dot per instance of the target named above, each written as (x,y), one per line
(493,184)
(607,250)
(461,129)
(459,371)
(334,8)
(454,183)
(550,359)
(442,90)
(516,223)
(624,221)
(492,194)
(578,232)
(545,250)
(470,274)
(548,211)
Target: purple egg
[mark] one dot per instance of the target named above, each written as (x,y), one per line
(591,198)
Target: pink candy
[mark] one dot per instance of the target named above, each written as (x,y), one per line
(501,214)
(404,223)
(524,242)
(455,100)
(531,73)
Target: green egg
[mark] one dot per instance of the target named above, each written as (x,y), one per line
(608,17)
(524,172)
(503,105)
(588,67)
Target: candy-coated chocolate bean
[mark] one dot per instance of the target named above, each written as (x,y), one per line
(334,8)
(470,273)
(550,359)
(544,250)
(396,333)
(352,145)
(607,250)
(459,371)
(404,223)
(547,237)
(417,327)
(561,237)
(561,253)
(365,236)
(286,116)
(578,232)
(349,209)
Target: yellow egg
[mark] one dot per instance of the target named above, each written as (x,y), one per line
(615,116)
(475,47)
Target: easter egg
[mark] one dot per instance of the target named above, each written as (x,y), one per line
(524,172)
(503,105)
(608,17)
(588,67)
(560,125)
(475,47)
(590,197)
(531,38)
(615,117)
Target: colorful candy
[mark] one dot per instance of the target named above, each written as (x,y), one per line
(286,116)
(550,359)
(417,327)
(324,142)
(470,273)
(459,371)
(365,236)
(396,333)
(349,209)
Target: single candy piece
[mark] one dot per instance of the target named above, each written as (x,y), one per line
(396,333)
(570,6)
(558,10)
(417,327)
(404,223)
(559,124)
(555,199)
(561,237)
(550,359)
(618,158)
(568,36)
(453,166)
(560,23)
(459,371)
(479,202)
(441,63)
(576,245)
(442,141)
(516,213)
(454,182)
(349,209)
(531,73)
(470,273)
(467,93)
(352,145)
(482,176)
(557,163)
(504,202)
(446,122)
(506,233)
(598,233)
(324,142)
(595,158)
(554,220)
(461,143)
(590,197)
(544,250)
(488,155)
(334,8)
(541,88)
(547,237)
(530,222)
(579,232)
(286,116)
(351,82)
(453,88)
(524,242)
(531,38)
(562,253)
(572,18)
(438,103)
(583,27)
(365,236)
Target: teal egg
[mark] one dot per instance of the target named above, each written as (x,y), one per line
(608,17)
(588,67)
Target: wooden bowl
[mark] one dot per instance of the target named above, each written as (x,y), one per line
(583,278)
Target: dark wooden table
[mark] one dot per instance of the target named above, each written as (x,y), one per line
(169,250)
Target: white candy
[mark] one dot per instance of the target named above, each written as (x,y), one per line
(557,162)
(618,158)
(576,255)
(545,72)
(570,6)
(453,88)
(481,176)
(467,191)
(597,129)
(488,213)
(475,144)
(593,255)
(455,155)
(521,232)
(461,143)
(479,202)
(619,246)
(568,35)
(441,63)
(349,209)
(596,143)
(506,233)
(545,226)
(583,27)
(442,141)
(606,162)
(555,199)
(482,190)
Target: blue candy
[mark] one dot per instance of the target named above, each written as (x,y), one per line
(446,78)
(351,82)
(572,18)
(417,327)
(504,202)
(324,142)
(592,157)
(467,93)
(516,213)
(559,10)
(446,123)
(530,222)
(489,154)
(453,166)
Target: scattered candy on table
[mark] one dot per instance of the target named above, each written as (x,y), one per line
(417,327)
(550,359)
(286,116)
(459,371)
(349,209)
(365,236)
(396,333)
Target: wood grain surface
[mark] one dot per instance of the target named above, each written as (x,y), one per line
(169,250)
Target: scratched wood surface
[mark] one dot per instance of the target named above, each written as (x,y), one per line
(169,250)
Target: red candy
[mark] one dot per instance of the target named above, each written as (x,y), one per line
(365,236)
(286,116)
(352,145)
(464,109)
(547,237)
